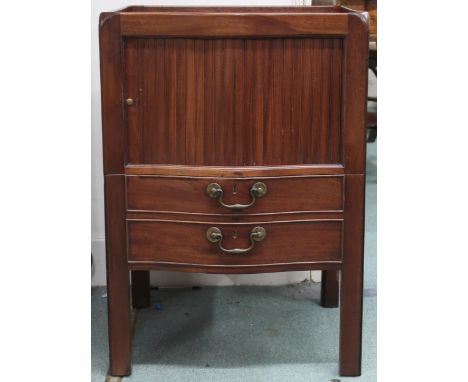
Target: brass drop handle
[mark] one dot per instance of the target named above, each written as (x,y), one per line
(258,190)
(214,235)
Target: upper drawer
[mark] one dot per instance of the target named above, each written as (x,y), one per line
(251,195)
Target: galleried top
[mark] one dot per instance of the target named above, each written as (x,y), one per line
(238,86)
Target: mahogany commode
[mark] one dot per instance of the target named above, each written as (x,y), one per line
(234,142)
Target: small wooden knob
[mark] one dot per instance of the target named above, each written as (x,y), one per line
(129,101)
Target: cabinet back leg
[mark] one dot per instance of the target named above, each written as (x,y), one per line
(330,289)
(140,289)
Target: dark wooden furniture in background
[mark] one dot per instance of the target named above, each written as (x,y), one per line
(234,142)
(372,115)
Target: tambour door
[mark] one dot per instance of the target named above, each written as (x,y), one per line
(234,101)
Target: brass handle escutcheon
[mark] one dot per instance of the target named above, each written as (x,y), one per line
(258,190)
(215,235)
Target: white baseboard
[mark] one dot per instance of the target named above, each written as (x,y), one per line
(98,271)
(180,279)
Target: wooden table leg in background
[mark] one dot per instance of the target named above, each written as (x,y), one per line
(118,297)
(329,289)
(140,289)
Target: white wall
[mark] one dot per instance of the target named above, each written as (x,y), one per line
(97,187)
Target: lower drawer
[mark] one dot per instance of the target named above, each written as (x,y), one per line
(253,243)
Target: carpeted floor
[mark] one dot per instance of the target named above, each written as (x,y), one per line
(244,333)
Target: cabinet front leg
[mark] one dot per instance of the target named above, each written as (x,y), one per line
(140,289)
(352,278)
(119,323)
(329,289)
(118,296)
(350,326)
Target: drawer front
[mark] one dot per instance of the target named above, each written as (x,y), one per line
(246,196)
(188,242)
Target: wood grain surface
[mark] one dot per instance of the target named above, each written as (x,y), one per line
(234,102)
(292,194)
(186,242)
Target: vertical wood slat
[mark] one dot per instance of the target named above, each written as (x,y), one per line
(139,153)
(334,130)
(161,109)
(307,106)
(259,99)
(199,80)
(150,101)
(190,121)
(323,130)
(209,127)
(268,106)
(288,101)
(278,101)
(234,101)
(181,99)
(316,65)
(297,140)
(228,97)
(170,75)
(134,134)
(239,101)
(219,125)
(249,104)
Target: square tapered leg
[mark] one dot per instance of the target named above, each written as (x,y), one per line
(352,278)
(140,289)
(118,296)
(329,295)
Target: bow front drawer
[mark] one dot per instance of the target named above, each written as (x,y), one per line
(235,195)
(231,244)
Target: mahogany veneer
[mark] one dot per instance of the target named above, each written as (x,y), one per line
(304,194)
(234,142)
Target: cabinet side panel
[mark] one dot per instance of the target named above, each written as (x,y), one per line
(234,102)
